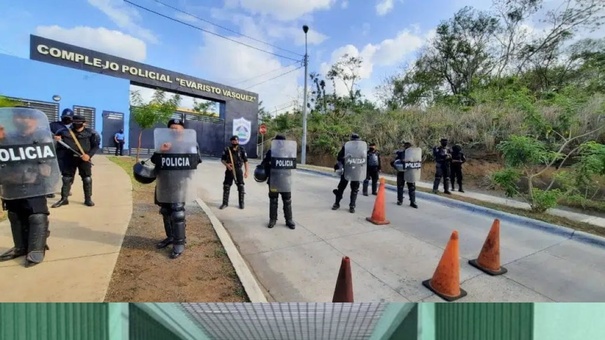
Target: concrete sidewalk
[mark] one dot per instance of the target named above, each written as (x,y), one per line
(574,216)
(84,244)
(390,262)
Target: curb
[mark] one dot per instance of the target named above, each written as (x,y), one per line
(251,286)
(569,233)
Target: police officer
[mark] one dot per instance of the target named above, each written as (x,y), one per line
(55,127)
(342,185)
(26,182)
(173,213)
(233,158)
(458,158)
(373,169)
(118,138)
(86,142)
(274,194)
(443,158)
(400,155)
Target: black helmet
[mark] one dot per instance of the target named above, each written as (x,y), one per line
(79,119)
(175,121)
(67,113)
(234,138)
(144,172)
(259,174)
(354,136)
(280,137)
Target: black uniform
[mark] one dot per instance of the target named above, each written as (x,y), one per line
(342,185)
(400,154)
(443,157)
(458,158)
(274,198)
(373,169)
(240,158)
(173,214)
(28,217)
(56,128)
(90,142)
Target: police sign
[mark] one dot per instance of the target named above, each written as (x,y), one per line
(20,153)
(179,162)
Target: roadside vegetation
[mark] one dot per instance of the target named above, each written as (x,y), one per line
(527,106)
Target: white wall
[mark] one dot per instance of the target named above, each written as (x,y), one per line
(569,321)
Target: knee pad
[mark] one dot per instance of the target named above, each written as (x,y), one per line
(86,180)
(240,188)
(178,216)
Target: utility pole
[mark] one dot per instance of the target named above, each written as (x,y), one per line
(303,153)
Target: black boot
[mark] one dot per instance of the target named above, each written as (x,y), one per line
(374,187)
(226,190)
(38,234)
(287,200)
(365,188)
(459,187)
(87,184)
(446,189)
(168,230)
(65,188)
(240,196)
(399,195)
(19,238)
(412,193)
(353,201)
(178,230)
(273,204)
(336,204)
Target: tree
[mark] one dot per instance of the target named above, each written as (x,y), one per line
(5,102)
(146,115)
(203,107)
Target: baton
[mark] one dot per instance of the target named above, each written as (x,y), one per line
(72,150)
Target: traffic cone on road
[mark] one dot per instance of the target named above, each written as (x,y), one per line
(489,257)
(446,279)
(344,283)
(379,213)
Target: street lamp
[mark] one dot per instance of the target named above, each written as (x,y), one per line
(303,154)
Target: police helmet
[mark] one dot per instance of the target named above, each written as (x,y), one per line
(280,137)
(234,138)
(259,174)
(443,140)
(354,136)
(175,121)
(398,164)
(67,113)
(144,172)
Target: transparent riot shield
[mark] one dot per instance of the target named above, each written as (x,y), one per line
(356,153)
(283,161)
(413,164)
(176,164)
(28,159)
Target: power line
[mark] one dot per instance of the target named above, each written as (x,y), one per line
(207,31)
(226,28)
(268,80)
(264,74)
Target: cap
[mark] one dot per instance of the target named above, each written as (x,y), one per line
(280,137)
(234,138)
(354,136)
(79,119)
(175,121)
(443,140)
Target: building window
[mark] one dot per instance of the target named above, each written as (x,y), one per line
(88,113)
(49,108)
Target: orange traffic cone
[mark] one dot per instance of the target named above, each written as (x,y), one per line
(446,279)
(344,283)
(489,257)
(379,214)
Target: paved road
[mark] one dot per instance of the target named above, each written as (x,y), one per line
(390,262)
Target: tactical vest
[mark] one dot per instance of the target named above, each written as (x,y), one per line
(373,159)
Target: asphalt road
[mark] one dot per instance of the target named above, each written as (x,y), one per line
(390,262)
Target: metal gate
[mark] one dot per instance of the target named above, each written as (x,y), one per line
(146,139)
(88,113)
(210,133)
(49,108)
(144,327)
(113,122)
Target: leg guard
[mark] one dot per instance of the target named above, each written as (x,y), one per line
(38,233)
(241,193)
(18,229)
(287,200)
(366,182)
(65,189)
(354,192)
(400,188)
(166,211)
(226,190)
(412,193)
(273,205)
(446,183)
(87,184)
(177,217)
(342,185)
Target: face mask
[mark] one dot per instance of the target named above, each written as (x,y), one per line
(77,125)
(66,120)
(444,144)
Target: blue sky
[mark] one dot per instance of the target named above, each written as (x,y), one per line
(385,38)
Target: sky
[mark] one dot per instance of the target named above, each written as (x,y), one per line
(386,34)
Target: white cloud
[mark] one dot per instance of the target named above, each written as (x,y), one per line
(389,52)
(124,17)
(282,10)
(383,7)
(99,39)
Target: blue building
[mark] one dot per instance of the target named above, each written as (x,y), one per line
(97,86)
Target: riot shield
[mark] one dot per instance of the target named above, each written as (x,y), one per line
(412,164)
(356,156)
(177,162)
(28,159)
(283,161)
